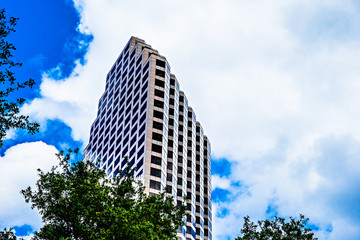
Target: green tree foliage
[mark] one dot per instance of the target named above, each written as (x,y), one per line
(277,228)
(10,102)
(8,234)
(78,201)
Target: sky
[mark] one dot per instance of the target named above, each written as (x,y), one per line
(275,84)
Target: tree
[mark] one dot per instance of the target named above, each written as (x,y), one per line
(276,228)
(78,201)
(8,234)
(9,102)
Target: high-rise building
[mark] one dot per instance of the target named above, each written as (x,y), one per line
(143,115)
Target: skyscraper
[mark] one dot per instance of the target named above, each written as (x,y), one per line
(143,115)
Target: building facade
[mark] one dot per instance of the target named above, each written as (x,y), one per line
(143,115)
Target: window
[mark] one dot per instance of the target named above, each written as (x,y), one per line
(142,119)
(139,60)
(133,53)
(132,152)
(140,163)
(146,66)
(156,160)
(142,128)
(140,152)
(158,114)
(169,166)
(159,93)
(155,185)
(159,73)
(133,140)
(141,140)
(160,63)
(156,148)
(157,137)
(155,172)
(170,154)
(158,103)
(143,98)
(157,125)
(159,83)
(133,130)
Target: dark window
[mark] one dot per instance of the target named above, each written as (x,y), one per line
(135,117)
(143,98)
(112,139)
(169,166)
(126,139)
(132,69)
(132,152)
(136,98)
(156,160)
(157,137)
(140,152)
(156,148)
(139,60)
(125,72)
(129,90)
(124,151)
(137,72)
(139,174)
(158,103)
(159,83)
(141,140)
(189,153)
(155,172)
(146,66)
(127,120)
(157,125)
(140,163)
(143,107)
(159,93)
(158,114)
(142,119)
(136,89)
(136,107)
(126,129)
(145,75)
(133,53)
(155,185)
(119,130)
(160,63)
(142,128)
(133,130)
(133,140)
(159,73)
(145,87)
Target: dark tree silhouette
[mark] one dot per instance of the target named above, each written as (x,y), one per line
(10,98)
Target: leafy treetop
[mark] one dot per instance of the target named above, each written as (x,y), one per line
(277,228)
(9,85)
(78,201)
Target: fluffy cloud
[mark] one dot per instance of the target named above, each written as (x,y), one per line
(274,83)
(18,170)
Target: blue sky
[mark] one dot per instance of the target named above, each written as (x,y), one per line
(274,84)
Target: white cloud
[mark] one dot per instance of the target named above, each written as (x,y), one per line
(220,182)
(18,170)
(271,81)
